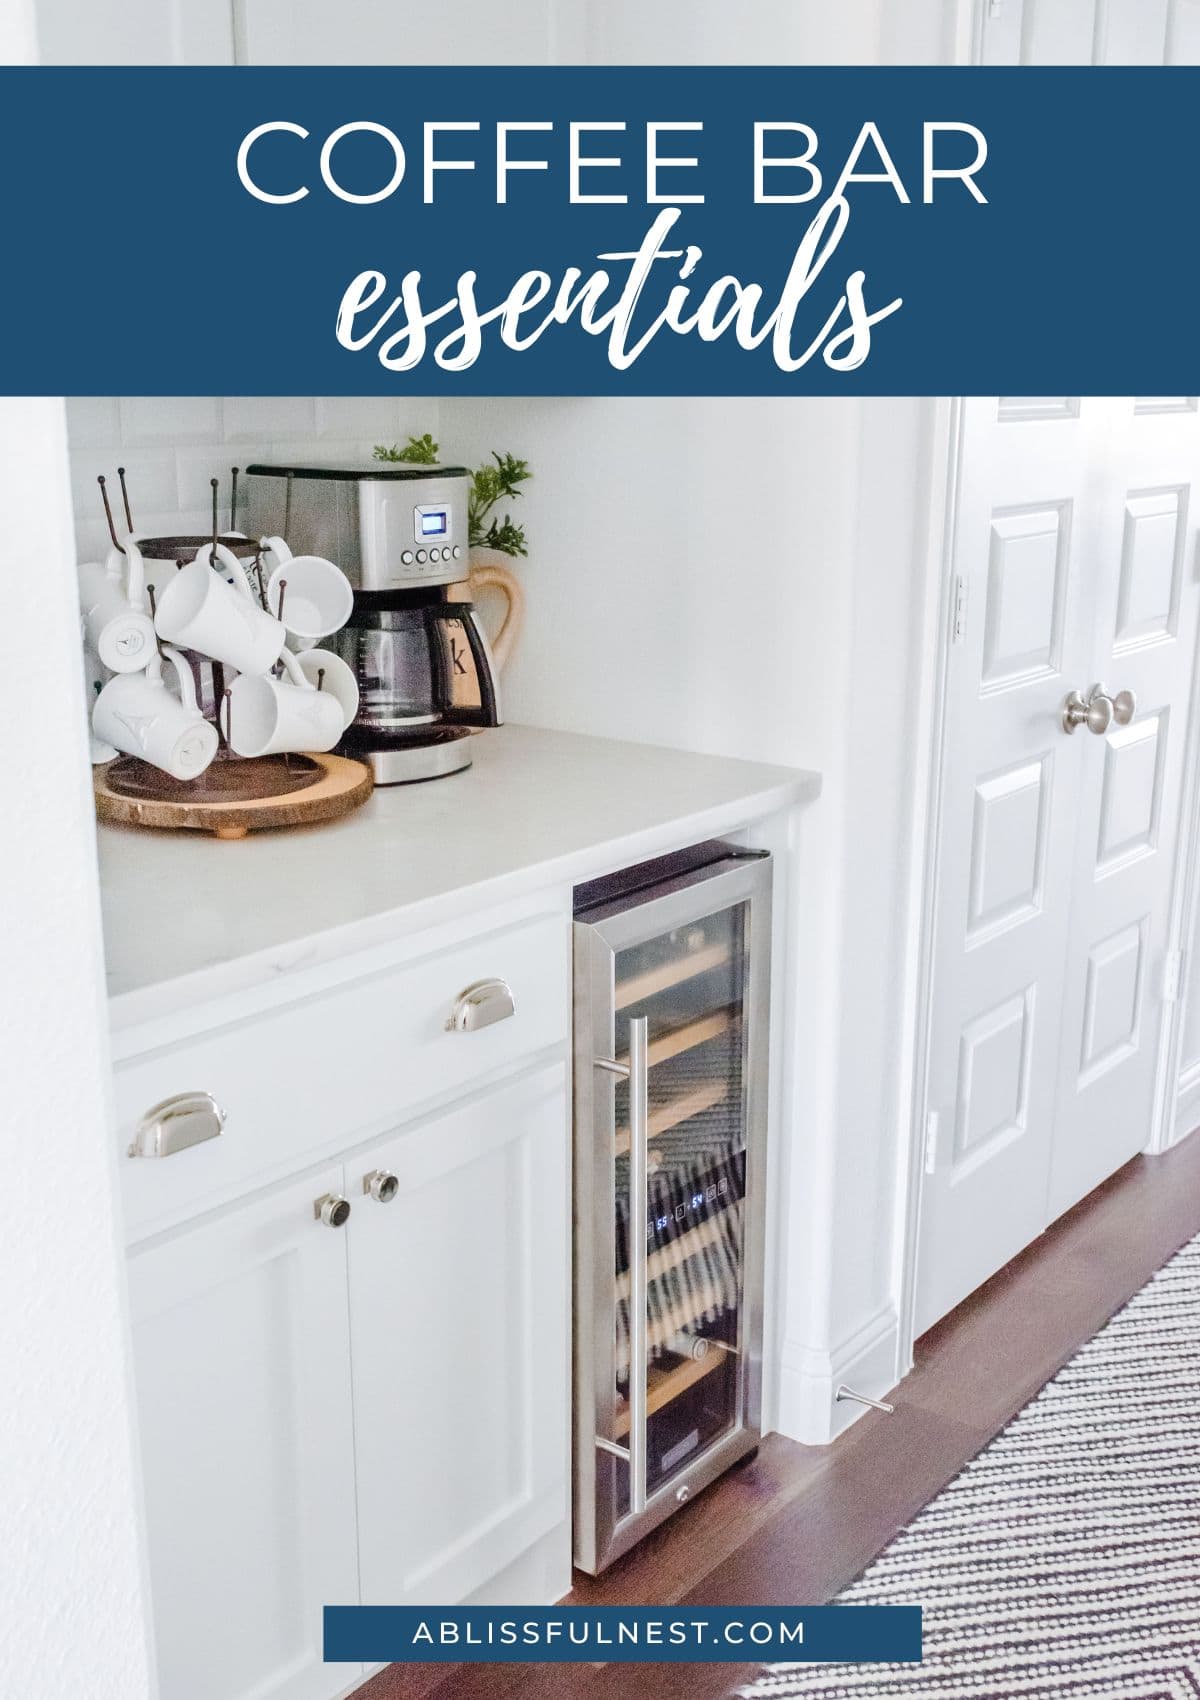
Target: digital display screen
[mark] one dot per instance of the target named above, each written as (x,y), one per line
(434,522)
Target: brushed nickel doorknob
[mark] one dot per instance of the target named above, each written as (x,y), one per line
(1094,711)
(332,1210)
(1124,707)
(381,1185)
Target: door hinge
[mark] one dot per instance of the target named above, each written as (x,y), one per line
(931,1140)
(960,609)
(1172,976)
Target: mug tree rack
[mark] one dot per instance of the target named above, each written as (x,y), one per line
(235,795)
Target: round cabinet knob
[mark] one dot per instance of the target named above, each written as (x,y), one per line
(382,1185)
(332,1210)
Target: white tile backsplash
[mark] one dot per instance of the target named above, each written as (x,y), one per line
(95,419)
(171,446)
(356,416)
(147,420)
(250,419)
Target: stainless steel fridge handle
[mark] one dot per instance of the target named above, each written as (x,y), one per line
(621,1070)
(637,1072)
(639,1210)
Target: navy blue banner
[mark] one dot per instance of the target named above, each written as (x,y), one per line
(575,231)
(621,1634)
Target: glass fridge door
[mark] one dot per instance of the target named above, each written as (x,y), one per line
(672,988)
(685,990)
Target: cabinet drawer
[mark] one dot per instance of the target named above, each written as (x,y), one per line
(327,1070)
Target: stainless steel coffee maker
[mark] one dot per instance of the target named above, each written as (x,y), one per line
(425,673)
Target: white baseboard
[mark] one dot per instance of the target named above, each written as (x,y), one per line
(809,1378)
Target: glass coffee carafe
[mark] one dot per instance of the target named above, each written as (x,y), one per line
(417,665)
(425,677)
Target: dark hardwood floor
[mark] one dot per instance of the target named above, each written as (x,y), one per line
(797,1523)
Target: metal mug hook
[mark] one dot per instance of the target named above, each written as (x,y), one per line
(112,530)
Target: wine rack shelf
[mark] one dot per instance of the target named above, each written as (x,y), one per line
(672,973)
(664,1385)
(705,1096)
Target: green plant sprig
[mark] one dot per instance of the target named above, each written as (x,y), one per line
(489,485)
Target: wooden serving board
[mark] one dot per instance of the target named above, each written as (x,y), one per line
(340,786)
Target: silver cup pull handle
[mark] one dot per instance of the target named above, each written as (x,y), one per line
(187,1119)
(480,1005)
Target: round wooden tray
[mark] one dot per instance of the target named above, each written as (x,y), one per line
(324,788)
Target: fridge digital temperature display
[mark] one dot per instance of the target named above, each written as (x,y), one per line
(676,1206)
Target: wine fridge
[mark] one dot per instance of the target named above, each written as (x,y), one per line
(672,977)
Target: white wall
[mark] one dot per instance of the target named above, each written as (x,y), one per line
(71,1583)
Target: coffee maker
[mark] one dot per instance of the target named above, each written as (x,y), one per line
(425,673)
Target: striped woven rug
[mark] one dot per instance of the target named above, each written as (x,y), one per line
(1065,1559)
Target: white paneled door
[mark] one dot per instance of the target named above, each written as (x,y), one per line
(1074,572)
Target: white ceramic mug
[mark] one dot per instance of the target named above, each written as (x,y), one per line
(328,672)
(127,567)
(121,635)
(135,712)
(197,609)
(265,716)
(237,572)
(319,597)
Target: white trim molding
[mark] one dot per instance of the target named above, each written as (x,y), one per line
(1187,1104)
(809,1378)
(945,453)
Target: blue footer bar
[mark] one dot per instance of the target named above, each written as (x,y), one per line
(626,1634)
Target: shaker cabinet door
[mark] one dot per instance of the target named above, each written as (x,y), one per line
(460,1286)
(242,1360)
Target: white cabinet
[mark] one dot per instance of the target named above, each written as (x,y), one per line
(242,1356)
(384,1400)
(459,1304)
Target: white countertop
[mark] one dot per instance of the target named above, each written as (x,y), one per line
(188,917)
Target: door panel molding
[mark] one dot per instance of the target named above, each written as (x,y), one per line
(1145,614)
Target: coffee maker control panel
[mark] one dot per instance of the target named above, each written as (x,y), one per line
(409,542)
(433,544)
(413,559)
(389,527)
